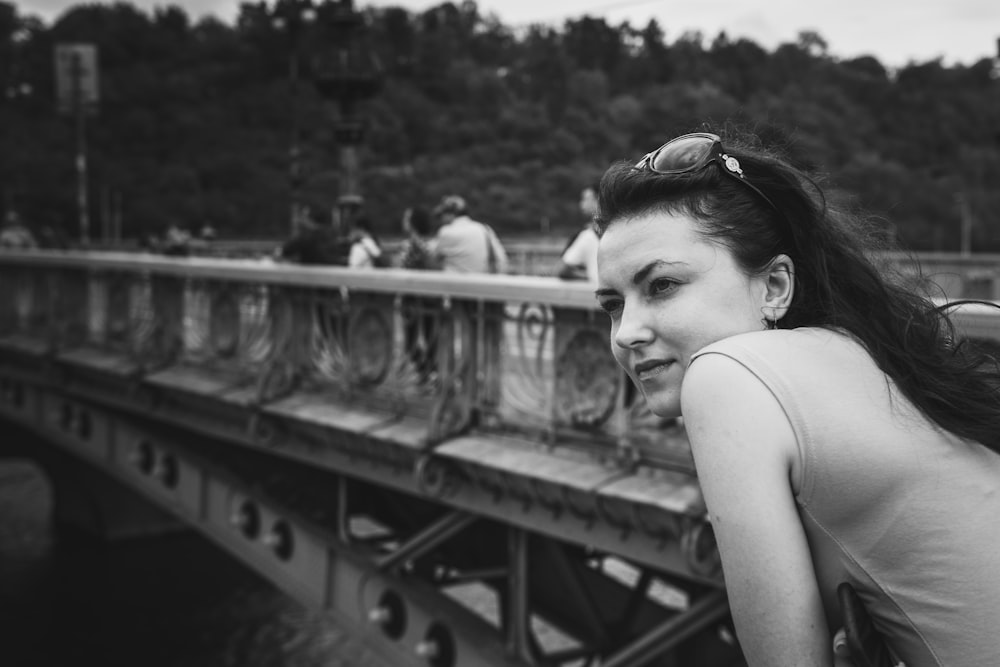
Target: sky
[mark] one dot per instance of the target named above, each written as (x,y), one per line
(896,32)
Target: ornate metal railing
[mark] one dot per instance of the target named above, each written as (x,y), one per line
(512,354)
(506,353)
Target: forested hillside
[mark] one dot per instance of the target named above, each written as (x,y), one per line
(194,118)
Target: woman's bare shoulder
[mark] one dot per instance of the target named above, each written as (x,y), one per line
(727,407)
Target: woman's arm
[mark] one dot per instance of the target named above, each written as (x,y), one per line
(744,449)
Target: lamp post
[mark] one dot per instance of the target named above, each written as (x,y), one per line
(77,95)
(294,16)
(347,73)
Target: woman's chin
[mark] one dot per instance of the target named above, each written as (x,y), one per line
(665,407)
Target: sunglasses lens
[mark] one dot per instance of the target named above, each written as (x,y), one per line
(682,154)
(694,151)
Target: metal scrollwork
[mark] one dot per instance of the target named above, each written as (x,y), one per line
(452,411)
(516,491)
(156,316)
(486,480)
(527,375)
(454,404)
(168,305)
(98,309)
(699,548)
(263,429)
(69,294)
(326,352)
(435,478)
(552,503)
(278,379)
(664,526)
(370,345)
(117,318)
(587,380)
(29,310)
(588,515)
(256,343)
(279,372)
(142,319)
(534,328)
(225,324)
(617,519)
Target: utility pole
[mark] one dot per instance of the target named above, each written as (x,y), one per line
(76,94)
(294,16)
(83,206)
(347,72)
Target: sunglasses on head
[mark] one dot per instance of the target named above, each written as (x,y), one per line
(693,152)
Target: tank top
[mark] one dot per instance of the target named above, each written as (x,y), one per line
(890,502)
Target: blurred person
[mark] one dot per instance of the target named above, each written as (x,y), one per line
(52,239)
(176,241)
(579,259)
(465,245)
(314,244)
(150,243)
(417,251)
(420,314)
(846,440)
(15,235)
(366,252)
(207,232)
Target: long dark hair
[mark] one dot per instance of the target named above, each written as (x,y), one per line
(841,277)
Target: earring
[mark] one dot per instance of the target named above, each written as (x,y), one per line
(769,323)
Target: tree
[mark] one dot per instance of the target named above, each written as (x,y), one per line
(193,124)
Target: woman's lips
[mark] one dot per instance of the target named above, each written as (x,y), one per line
(650,369)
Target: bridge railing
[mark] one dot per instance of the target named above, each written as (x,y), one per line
(519,355)
(522,355)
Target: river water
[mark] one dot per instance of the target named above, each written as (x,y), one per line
(174,601)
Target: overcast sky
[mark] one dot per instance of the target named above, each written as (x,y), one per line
(894,31)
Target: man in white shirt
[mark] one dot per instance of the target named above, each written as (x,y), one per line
(579,259)
(464,245)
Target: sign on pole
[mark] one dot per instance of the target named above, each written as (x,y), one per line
(76,78)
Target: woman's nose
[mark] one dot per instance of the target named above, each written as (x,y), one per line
(633,328)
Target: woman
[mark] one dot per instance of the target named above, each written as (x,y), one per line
(838,432)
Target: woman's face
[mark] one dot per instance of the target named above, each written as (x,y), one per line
(670,292)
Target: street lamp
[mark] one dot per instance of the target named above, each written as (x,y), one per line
(77,95)
(346,72)
(293,16)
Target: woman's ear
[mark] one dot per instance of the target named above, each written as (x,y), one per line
(779,282)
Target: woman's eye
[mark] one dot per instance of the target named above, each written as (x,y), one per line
(611,306)
(662,285)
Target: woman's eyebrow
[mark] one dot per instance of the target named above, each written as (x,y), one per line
(641,274)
